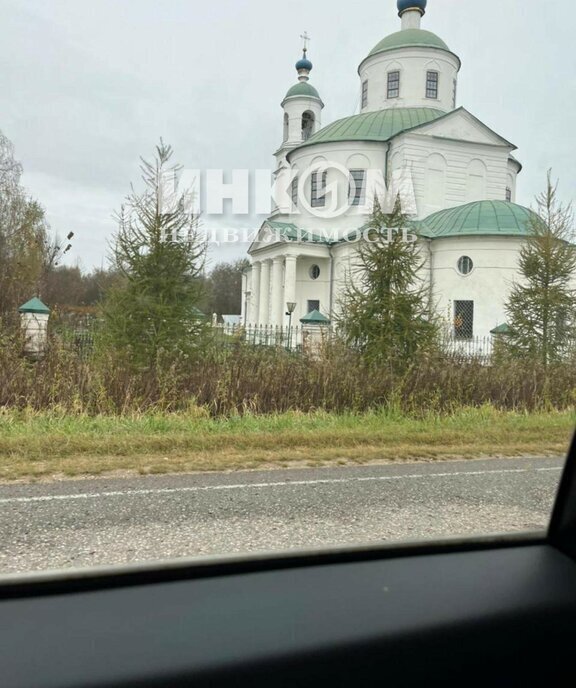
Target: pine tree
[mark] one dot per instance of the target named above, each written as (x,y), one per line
(542,307)
(385,311)
(152,315)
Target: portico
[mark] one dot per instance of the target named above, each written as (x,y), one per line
(276,280)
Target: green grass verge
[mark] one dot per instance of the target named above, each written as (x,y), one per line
(34,446)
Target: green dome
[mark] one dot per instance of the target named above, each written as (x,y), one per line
(381,125)
(409,38)
(481,218)
(303,89)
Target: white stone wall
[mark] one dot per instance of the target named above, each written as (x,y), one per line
(488,285)
(35,329)
(295,107)
(413,64)
(347,155)
(449,173)
(309,289)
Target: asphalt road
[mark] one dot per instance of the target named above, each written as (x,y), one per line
(113,521)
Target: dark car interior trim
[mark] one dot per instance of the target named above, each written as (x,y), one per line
(497,611)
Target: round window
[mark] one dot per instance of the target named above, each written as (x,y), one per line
(314,272)
(465,265)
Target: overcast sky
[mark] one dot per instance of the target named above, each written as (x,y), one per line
(88,86)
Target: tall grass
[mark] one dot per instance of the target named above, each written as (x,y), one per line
(236,380)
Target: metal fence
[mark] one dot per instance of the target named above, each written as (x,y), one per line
(290,338)
(475,347)
(296,338)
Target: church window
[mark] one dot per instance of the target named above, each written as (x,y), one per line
(463,319)
(465,265)
(364,94)
(313,306)
(357,192)
(307,125)
(318,196)
(314,273)
(294,191)
(508,194)
(455,92)
(394,84)
(432,79)
(286,126)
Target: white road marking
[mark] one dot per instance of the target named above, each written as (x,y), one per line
(252,486)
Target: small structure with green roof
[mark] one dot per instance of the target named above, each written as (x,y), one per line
(34,316)
(34,306)
(315,318)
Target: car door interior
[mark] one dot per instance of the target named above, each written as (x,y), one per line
(491,611)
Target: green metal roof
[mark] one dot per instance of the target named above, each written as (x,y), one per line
(481,218)
(292,232)
(374,126)
(502,329)
(34,306)
(303,89)
(315,318)
(409,38)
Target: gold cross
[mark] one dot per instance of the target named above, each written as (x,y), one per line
(305,37)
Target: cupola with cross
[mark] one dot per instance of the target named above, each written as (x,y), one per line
(302,104)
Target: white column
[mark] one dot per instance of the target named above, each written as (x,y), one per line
(277,306)
(263,312)
(255,296)
(290,280)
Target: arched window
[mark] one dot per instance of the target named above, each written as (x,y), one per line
(510,187)
(318,191)
(294,190)
(308,121)
(286,126)
(393,84)
(364,94)
(357,187)
(432,79)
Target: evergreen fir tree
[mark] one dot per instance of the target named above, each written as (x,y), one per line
(152,314)
(542,306)
(385,311)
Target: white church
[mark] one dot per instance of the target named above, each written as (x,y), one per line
(462,175)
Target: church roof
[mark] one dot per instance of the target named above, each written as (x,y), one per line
(409,38)
(481,218)
(381,125)
(303,89)
(291,232)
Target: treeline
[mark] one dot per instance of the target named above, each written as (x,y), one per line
(69,288)
(31,257)
(26,248)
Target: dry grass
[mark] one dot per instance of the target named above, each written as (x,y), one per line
(44,445)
